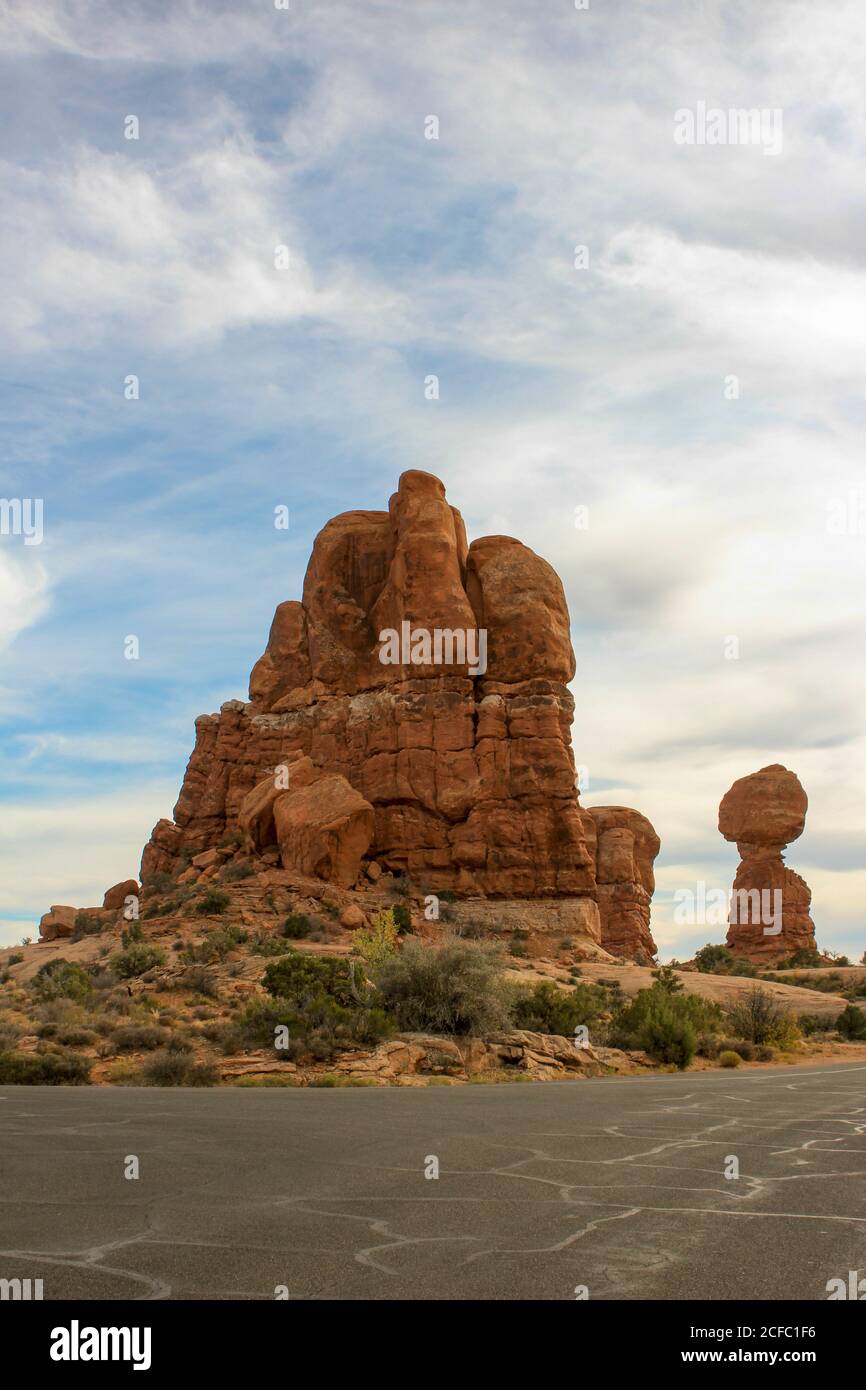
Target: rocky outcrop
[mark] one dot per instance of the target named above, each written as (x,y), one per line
(59,921)
(116,896)
(769,916)
(430,676)
(626,848)
(321,826)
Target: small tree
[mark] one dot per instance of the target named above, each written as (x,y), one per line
(378,942)
(456,988)
(851,1023)
(714,960)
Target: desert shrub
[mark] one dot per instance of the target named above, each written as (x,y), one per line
(215,946)
(851,1023)
(296,926)
(728,1058)
(157,883)
(135,960)
(664,1024)
(44,1069)
(199,979)
(269,946)
(744,1049)
(61,979)
(804,958)
(670,1039)
(547,1009)
(318,1026)
(75,1036)
(15,958)
(234,873)
(300,978)
(757,1017)
(666,978)
(376,943)
(708,1046)
(9,1034)
(178,1069)
(457,988)
(130,935)
(213,902)
(765,1053)
(402,918)
(813,1023)
(741,966)
(138,1037)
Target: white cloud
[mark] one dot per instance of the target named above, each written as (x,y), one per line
(24,593)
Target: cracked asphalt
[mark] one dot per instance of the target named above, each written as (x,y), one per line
(617,1184)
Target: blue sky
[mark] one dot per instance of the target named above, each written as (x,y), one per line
(559,387)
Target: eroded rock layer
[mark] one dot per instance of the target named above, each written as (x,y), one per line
(454,730)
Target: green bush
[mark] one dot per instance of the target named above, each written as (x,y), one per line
(666,978)
(135,960)
(804,958)
(670,1039)
(402,918)
(851,1023)
(15,958)
(61,979)
(318,1026)
(713,959)
(139,1037)
(215,946)
(44,1069)
(664,1024)
(296,926)
(300,978)
(212,903)
(745,1050)
(547,1009)
(178,1069)
(729,1058)
(456,988)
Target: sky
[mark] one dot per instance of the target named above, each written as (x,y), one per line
(693,379)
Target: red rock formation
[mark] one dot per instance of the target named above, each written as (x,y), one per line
(60,921)
(116,896)
(462,754)
(626,849)
(769,917)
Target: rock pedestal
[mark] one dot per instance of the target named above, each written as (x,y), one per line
(769,916)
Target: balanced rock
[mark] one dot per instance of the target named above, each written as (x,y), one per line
(428,678)
(769,915)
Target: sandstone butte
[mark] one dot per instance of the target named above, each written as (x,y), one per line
(762,814)
(459,777)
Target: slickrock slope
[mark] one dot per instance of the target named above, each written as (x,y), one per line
(762,814)
(449,761)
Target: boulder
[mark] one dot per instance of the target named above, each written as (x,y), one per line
(117,895)
(59,921)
